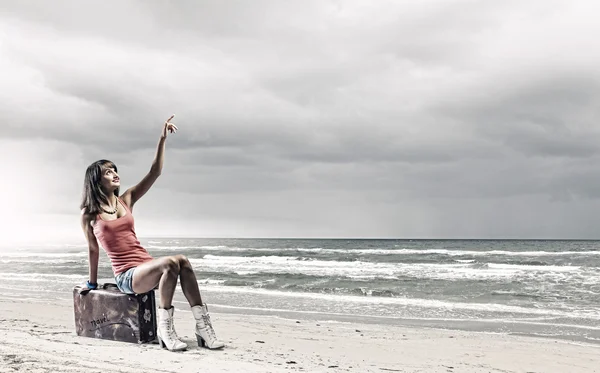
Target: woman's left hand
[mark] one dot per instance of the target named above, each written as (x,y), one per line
(169,127)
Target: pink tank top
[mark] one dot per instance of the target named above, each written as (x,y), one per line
(117,237)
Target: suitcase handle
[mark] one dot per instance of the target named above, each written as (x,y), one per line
(84,290)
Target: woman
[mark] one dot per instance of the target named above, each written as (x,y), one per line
(107,220)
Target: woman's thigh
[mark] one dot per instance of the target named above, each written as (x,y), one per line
(147,275)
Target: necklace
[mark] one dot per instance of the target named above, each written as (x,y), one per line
(116,207)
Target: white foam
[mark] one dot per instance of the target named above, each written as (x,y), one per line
(58,263)
(492,252)
(168,246)
(380,251)
(175,248)
(365,270)
(521,267)
(208,281)
(39,276)
(24,254)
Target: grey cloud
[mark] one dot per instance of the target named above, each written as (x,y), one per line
(389,106)
(549,116)
(554,145)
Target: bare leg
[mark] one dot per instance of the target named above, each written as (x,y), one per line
(162,271)
(189,284)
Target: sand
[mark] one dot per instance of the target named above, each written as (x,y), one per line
(39,337)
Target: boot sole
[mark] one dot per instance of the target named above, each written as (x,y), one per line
(202,343)
(162,344)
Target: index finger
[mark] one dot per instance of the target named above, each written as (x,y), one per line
(172,116)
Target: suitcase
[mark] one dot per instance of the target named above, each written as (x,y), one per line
(107,313)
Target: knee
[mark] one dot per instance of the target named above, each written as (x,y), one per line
(171,265)
(183,261)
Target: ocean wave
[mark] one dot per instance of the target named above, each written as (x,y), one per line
(209,281)
(42,277)
(208,248)
(308,288)
(56,263)
(362,269)
(526,267)
(17,254)
(515,294)
(447,252)
(419,302)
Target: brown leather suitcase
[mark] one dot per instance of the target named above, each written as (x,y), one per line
(108,313)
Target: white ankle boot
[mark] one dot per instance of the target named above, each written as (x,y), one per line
(204,331)
(167,337)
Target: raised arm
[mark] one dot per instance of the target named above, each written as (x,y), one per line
(93,248)
(133,194)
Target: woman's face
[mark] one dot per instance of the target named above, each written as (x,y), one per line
(110,179)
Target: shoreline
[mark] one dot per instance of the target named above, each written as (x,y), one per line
(528,328)
(461,325)
(40,337)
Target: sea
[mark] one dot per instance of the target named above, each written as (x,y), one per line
(547,288)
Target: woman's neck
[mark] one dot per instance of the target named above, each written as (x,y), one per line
(112,199)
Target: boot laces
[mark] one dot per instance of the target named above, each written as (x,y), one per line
(208,325)
(171,329)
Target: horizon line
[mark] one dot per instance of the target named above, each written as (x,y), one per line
(370,238)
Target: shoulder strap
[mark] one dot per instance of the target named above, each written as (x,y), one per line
(124,205)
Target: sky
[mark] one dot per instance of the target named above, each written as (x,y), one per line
(386,119)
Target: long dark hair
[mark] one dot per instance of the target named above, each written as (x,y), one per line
(93,195)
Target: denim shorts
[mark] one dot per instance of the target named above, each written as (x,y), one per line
(124,281)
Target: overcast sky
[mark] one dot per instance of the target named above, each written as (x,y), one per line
(409,119)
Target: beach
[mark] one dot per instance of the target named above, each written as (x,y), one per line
(40,337)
